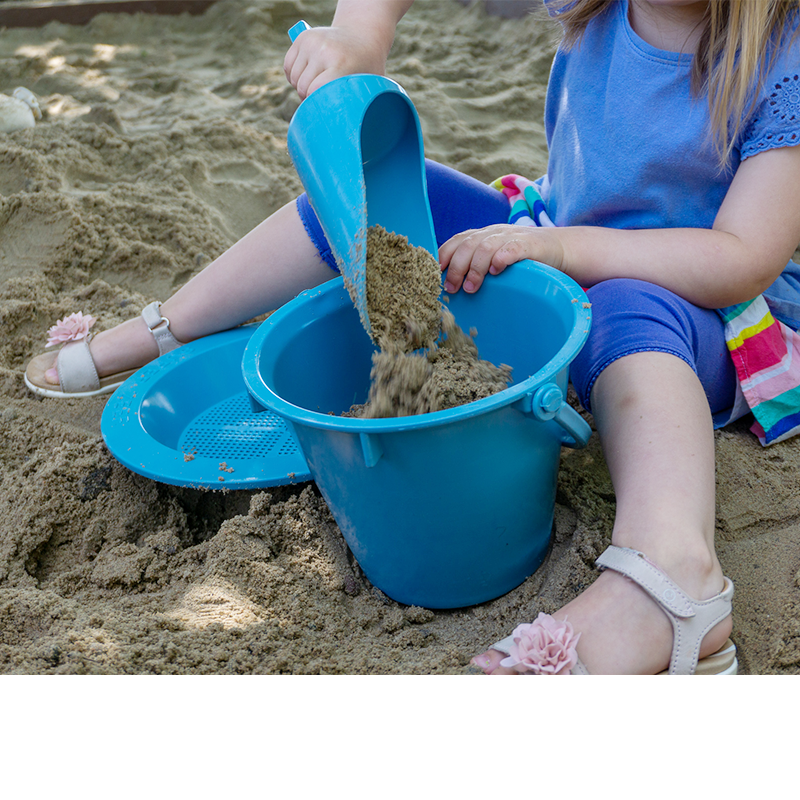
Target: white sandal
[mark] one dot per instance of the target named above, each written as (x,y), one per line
(77,373)
(691,620)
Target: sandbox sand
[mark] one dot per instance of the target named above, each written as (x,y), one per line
(163,141)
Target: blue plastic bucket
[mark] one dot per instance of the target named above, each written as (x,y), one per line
(446,509)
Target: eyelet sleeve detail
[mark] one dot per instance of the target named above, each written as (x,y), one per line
(776,122)
(784,98)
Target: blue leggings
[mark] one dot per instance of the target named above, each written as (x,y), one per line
(628,316)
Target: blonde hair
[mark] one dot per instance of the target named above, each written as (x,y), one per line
(730,60)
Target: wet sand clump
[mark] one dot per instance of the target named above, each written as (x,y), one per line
(403,284)
(426,362)
(449,374)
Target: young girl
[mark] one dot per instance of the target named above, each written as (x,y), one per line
(674,189)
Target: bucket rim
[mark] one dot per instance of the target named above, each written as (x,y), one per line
(268,398)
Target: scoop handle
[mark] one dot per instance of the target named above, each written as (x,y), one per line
(298,28)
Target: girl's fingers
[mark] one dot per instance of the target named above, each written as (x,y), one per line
(296,68)
(312,55)
(312,77)
(321,54)
(457,256)
(461,272)
(469,256)
(321,80)
(288,62)
(304,82)
(449,247)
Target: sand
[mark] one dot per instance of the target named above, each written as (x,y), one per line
(425,362)
(163,141)
(403,284)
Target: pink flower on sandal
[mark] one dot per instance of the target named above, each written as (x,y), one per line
(70,329)
(545,646)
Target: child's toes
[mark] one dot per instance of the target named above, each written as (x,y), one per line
(489,662)
(51,376)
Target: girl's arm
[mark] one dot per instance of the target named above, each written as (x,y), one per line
(754,235)
(358,40)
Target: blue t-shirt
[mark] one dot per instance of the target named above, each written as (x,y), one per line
(630,145)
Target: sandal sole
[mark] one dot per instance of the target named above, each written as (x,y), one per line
(35,380)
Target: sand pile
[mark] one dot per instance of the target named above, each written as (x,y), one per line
(163,141)
(403,285)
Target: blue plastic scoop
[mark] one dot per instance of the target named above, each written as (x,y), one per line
(357,146)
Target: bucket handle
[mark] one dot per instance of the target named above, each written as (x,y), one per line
(547,403)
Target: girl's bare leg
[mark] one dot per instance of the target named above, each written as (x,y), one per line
(262,271)
(657,435)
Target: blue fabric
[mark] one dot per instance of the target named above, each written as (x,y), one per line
(776,119)
(457,203)
(613,161)
(314,231)
(631,316)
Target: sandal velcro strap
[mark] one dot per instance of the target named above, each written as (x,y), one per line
(159,327)
(691,619)
(635,566)
(76,370)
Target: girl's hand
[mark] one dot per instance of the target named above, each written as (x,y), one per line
(470,255)
(320,55)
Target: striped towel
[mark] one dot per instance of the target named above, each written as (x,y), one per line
(765,352)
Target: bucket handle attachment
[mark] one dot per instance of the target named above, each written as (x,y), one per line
(371,448)
(547,403)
